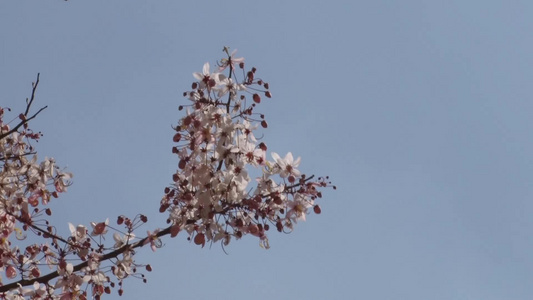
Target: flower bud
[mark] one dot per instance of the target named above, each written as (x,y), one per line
(199,239)
(257,98)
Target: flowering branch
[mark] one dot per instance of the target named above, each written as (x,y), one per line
(212,197)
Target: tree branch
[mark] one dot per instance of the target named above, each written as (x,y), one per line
(46,278)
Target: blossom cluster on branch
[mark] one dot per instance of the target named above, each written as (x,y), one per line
(212,197)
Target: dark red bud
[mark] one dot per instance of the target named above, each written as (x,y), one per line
(317,209)
(163,208)
(187,120)
(182,164)
(257,98)
(253,228)
(35,272)
(264,124)
(199,239)
(174,230)
(268,94)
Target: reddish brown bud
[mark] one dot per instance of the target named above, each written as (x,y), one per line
(279,226)
(257,98)
(268,94)
(148,268)
(187,120)
(199,239)
(241,65)
(253,228)
(264,124)
(35,272)
(174,230)
(163,208)
(120,220)
(182,164)
(317,209)
(177,137)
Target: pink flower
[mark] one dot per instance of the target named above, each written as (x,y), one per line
(153,239)
(99,228)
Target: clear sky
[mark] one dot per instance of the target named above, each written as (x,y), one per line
(419,111)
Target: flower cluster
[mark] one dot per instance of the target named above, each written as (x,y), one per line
(212,197)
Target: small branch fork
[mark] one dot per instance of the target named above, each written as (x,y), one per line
(26,119)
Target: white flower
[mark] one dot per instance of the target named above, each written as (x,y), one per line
(286,166)
(79,232)
(207,79)
(122,240)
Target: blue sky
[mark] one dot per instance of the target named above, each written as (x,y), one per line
(419,111)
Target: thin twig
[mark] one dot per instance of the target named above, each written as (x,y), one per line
(28,106)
